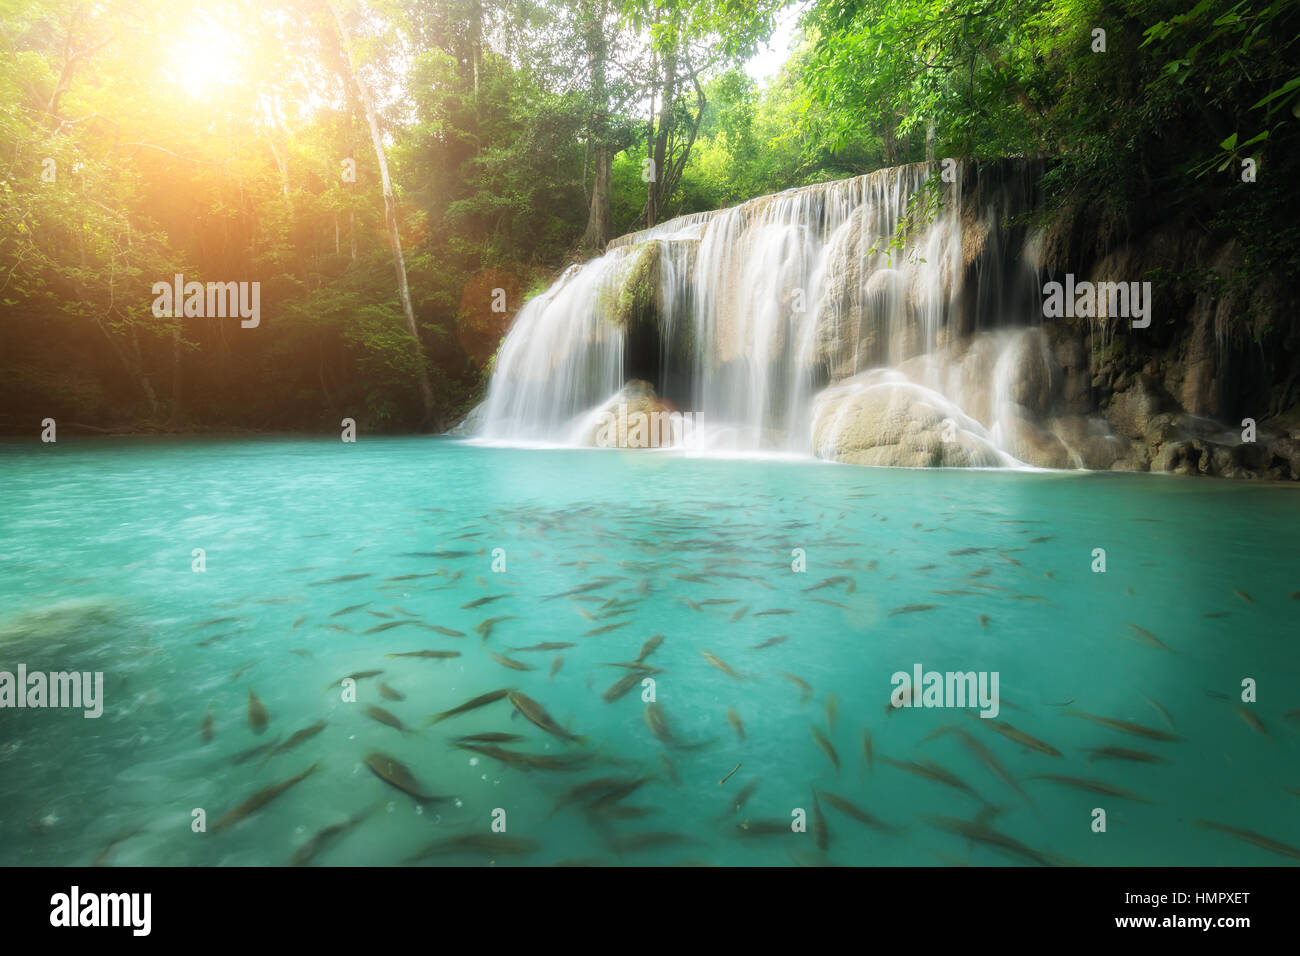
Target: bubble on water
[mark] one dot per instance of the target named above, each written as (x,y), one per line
(459,803)
(419,810)
(484,777)
(473,761)
(300,830)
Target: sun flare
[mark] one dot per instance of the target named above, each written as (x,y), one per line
(206,58)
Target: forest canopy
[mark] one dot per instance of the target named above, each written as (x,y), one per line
(398,176)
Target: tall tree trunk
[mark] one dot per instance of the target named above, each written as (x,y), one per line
(598,218)
(390,213)
(598,212)
(174,422)
(659,158)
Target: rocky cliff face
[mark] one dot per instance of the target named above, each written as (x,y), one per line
(886,321)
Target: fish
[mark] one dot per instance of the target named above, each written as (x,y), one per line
(252,752)
(260,799)
(212,640)
(1121,753)
(1244,596)
(821,833)
(741,612)
(1019,736)
(670,770)
(1250,836)
(1164,714)
(355,676)
(986,757)
(587,792)
(1092,786)
(1148,638)
(101,859)
(242,669)
(982,833)
(482,700)
(319,840)
(932,771)
(386,717)
(449,632)
(737,724)
(771,642)
(301,652)
(621,789)
(294,740)
(1140,730)
(483,600)
(605,629)
(396,774)
(545,646)
(560,762)
(848,582)
(742,797)
(855,812)
(385,627)
(802,684)
(912,609)
(489,738)
(649,647)
(205,728)
(514,665)
(430,655)
(582,588)
(1252,721)
(658,724)
(215,620)
(484,628)
(555,666)
(721,665)
(537,715)
(346,577)
(620,687)
(388,693)
(832,711)
(298,623)
(510,758)
(837,604)
(763,827)
(257,715)
(732,773)
(774,611)
(827,747)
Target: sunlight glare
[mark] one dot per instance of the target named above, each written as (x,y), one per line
(206,57)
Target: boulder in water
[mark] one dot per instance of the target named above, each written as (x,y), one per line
(635,417)
(880,418)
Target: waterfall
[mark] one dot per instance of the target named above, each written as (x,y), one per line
(774,322)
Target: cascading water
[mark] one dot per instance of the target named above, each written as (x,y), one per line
(765,320)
